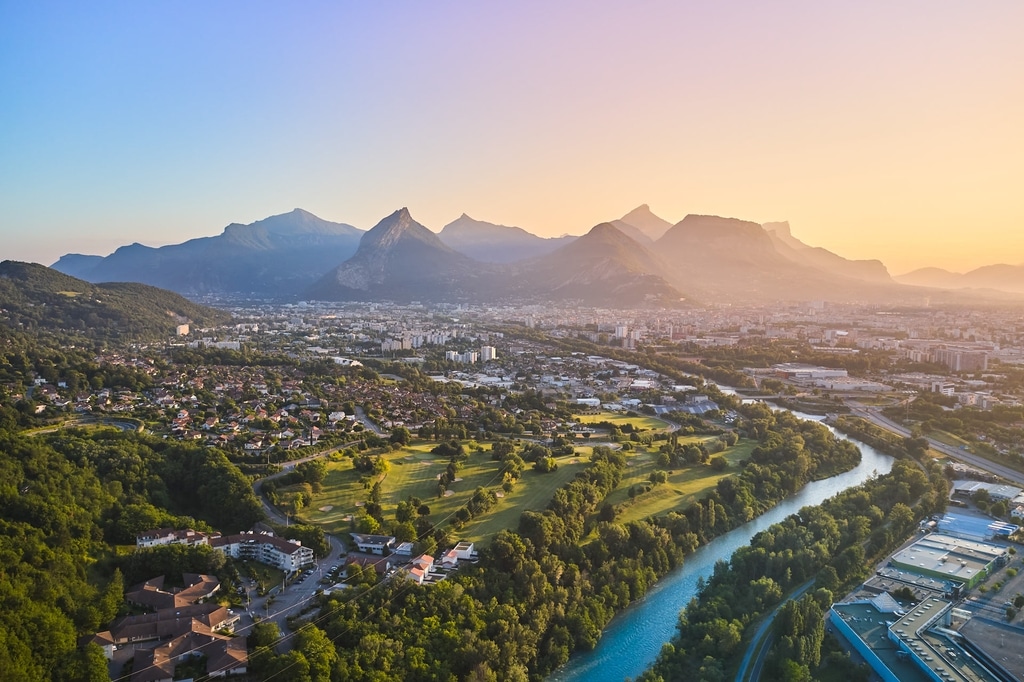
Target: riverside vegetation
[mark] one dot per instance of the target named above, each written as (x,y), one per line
(548,588)
(833,544)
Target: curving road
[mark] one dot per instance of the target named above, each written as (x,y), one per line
(751,667)
(761,642)
(874,416)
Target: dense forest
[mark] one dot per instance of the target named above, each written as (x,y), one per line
(65,500)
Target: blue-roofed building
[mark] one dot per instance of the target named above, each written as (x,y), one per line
(971,526)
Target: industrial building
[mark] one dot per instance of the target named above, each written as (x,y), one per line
(951,558)
(918,642)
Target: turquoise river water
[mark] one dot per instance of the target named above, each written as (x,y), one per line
(634,637)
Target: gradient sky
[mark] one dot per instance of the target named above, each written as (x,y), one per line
(878,129)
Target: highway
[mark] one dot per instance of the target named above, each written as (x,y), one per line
(874,416)
(760,644)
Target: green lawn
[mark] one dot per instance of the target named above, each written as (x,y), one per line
(684,485)
(948,438)
(261,573)
(877,401)
(414,472)
(532,493)
(619,419)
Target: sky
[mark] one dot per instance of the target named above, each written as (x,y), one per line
(877,129)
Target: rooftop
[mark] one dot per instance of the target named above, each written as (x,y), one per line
(957,559)
(967,523)
(992,638)
(870,625)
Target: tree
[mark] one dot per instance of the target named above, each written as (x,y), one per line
(369,525)
(404,512)
(292,666)
(87,664)
(313,471)
(404,532)
(400,436)
(264,633)
(791,671)
(310,536)
(545,465)
(318,650)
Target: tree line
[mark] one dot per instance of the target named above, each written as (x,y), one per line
(833,544)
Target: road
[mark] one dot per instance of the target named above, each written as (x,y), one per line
(761,643)
(368,423)
(290,599)
(119,424)
(875,417)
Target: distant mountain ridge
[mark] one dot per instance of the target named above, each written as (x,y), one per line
(728,259)
(277,256)
(492,243)
(34,297)
(822,259)
(645,222)
(603,267)
(400,259)
(999,277)
(637,258)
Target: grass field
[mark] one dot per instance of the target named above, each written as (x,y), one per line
(532,493)
(877,401)
(948,438)
(640,421)
(683,487)
(414,471)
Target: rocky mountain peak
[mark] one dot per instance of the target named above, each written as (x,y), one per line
(644,220)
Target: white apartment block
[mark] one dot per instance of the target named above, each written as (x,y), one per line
(287,555)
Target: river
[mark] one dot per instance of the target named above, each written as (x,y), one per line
(631,642)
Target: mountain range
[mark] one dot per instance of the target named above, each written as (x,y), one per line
(279,256)
(637,259)
(999,277)
(400,259)
(490,243)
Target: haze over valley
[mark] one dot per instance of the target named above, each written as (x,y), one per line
(658,341)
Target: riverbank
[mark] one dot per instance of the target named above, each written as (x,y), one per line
(633,639)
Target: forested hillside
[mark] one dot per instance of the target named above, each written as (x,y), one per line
(36,298)
(65,500)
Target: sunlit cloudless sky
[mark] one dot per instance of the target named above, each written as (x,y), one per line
(878,129)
